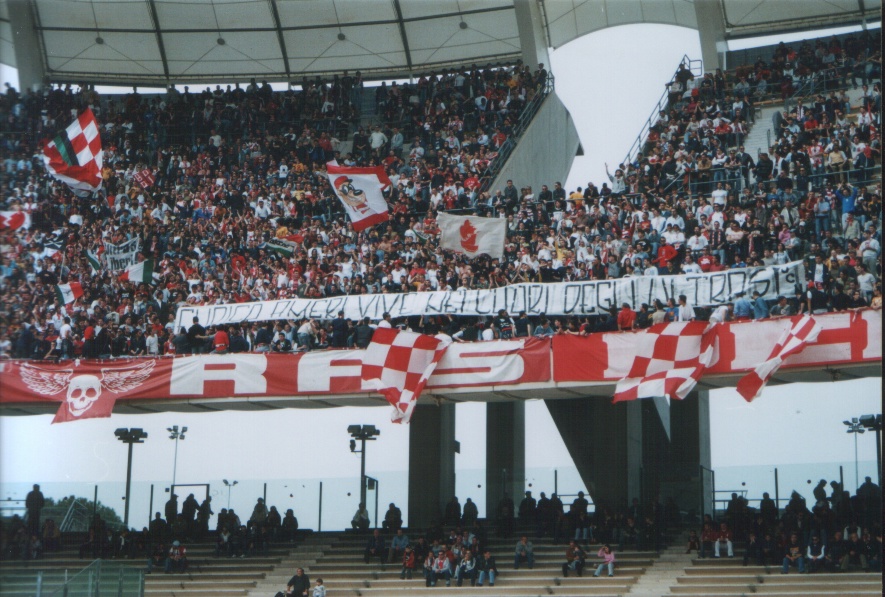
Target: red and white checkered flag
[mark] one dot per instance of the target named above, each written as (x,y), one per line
(398,364)
(803,331)
(75,155)
(670,359)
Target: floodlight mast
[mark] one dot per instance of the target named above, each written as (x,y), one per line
(129,437)
(363,433)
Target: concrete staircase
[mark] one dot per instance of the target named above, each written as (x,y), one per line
(664,574)
(305,556)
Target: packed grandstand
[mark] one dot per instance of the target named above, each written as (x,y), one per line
(238,207)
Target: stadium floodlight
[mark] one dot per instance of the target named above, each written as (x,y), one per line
(175,434)
(363,433)
(129,437)
(855,428)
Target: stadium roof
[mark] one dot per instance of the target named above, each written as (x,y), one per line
(161,41)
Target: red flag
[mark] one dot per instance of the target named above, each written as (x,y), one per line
(398,364)
(13,220)
(145,178)
(85,396)
(803,331)
(670,359)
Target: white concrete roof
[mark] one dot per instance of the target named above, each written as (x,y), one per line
(156,41)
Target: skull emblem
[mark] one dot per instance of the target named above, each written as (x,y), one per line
(83,391)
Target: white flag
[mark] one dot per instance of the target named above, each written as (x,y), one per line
(472,235)
(360,191)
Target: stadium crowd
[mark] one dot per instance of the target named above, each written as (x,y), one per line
(237,168)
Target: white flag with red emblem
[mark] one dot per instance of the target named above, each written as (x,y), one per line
(75,155)
(361,193)
(472,235)
(398,365)
(670,359)
(803,330)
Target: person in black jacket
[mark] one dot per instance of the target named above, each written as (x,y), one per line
(363,334)
(375,548)
(339,331)
(298,585)
(487,567)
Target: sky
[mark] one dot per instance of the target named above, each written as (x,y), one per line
(610,81)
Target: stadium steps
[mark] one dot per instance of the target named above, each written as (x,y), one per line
(727,577)
(309,551)
(757,139)
(343,570)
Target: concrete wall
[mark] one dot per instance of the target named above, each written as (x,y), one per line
(546,150)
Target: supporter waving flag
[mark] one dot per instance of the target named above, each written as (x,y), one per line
(361,193)
(803,330)
(398,365)
(670,359)
(75,155)
(68,293)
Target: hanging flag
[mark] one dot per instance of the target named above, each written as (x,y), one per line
(670,359)
(75,155)
(398,364)
(803,330)
(13,220)
(145,178)
(94,261)
(361,193)
(68,293)
(140,273)
(472,235)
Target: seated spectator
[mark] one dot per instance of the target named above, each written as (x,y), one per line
(393,518)
(574,559)
(467,569)
(176,559)
(524,552)
(608,561)
(856,556)
(441,569)
(724,539)
(375,548)
(398,545)
(794,555)
(816,554)
(488,569)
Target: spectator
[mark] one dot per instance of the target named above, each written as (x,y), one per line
(608,561)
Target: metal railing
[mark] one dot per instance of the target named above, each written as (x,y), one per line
(98,579)
(697,69)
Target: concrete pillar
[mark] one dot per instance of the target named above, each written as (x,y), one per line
(622,451)
(711,29)
(25,40)
(532,36)
(505,453)
(431,463)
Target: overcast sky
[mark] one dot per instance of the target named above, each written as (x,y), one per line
(610,81)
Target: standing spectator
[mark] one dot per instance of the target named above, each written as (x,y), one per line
(34,505)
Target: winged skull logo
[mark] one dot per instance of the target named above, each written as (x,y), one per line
(84,390)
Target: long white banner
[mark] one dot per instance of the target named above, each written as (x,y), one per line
(563,298)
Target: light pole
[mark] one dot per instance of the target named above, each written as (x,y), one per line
(855,427)
(363,433)
(229,485)
(129,436)
(874,423)
(176,434)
